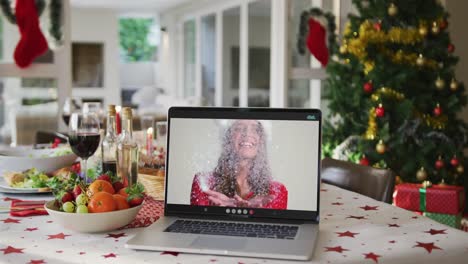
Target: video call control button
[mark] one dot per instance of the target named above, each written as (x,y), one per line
(228,211)
(245,211)
(239,211)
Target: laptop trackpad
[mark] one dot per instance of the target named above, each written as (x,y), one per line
(218,243)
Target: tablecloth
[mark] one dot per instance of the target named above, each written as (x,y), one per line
(353,229)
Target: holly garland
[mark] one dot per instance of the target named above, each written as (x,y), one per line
(303,29)
(55,14)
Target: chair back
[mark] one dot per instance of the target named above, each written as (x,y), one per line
(372,182)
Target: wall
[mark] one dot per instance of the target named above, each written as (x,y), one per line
(137,74)
(99,25)
(457,28)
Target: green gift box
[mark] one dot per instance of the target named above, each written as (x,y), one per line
(446,219)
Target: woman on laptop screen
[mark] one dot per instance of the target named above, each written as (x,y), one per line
(242,176)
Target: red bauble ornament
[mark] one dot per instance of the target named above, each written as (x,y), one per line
(437,110)
(378,26)
(380,111)
(454,161)
(364,161)
(368,87)
(439,164)
(443,24)
(451,48)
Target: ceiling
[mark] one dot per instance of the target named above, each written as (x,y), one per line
(129,5)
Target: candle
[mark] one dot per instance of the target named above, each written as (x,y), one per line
(118,125)
(149,142)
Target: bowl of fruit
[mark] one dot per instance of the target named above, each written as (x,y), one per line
(103,205)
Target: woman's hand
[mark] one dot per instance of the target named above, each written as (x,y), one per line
(220,199)
(256,202)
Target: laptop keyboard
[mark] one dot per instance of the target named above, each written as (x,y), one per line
(233,229)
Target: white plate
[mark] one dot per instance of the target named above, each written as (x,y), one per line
(5,188)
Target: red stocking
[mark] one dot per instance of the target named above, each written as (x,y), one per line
(316,41)
(32,43)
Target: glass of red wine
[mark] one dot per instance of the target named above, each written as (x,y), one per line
(84,137)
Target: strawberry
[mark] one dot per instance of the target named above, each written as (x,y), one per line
(117,186)
(104,177)
(135,201)
(135,194)
(67,197)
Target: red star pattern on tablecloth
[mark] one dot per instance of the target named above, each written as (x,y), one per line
(393,225)
(7,199)
(427,246)
(81,253)
(170,253)
(415,217)
(338,249)
(346,234)
(337,203)
(10,249)
(436,232)
(213,260)
(392,241)
(356,217)
(57,236)
(369,208)
(372,256)
(30,229)
(117,235)
(39,261)
(110,255)
(11,220)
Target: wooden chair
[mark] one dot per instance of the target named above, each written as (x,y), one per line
(372,182)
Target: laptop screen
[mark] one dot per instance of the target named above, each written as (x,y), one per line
(249,163)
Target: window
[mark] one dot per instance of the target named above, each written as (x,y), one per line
(138,39)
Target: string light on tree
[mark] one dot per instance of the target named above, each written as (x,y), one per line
(421,175)
(439,164)
(437,110)
(380,111)
(380,147)
(439,83)
(443,24)
(453,85)
(435,28)
(460,169)
(392,10)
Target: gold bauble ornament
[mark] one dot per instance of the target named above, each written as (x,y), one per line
(421,175)
(343,49)
(420,60)
(380,147)
(423,31)
(392,9)
(460,169)
(439,83)
(435,28)
(453,85)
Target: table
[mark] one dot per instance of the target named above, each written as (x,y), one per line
(353,229)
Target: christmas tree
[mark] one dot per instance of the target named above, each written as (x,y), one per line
(393,93)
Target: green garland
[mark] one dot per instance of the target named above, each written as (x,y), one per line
(303,29)
(55,14)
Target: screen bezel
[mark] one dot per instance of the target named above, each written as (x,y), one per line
(288,114)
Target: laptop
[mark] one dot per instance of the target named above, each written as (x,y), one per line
(239,182)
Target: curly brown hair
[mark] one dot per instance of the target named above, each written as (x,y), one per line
(259,177)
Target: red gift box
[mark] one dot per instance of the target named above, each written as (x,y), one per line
(442,199)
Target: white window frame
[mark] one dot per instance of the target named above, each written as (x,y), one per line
(60,69)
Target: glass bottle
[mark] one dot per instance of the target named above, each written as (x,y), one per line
(109,143)
(127,150)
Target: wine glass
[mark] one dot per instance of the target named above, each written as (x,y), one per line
(84,137)
(71,104)
(96,108)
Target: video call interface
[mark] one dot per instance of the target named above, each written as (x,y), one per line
(268,164)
